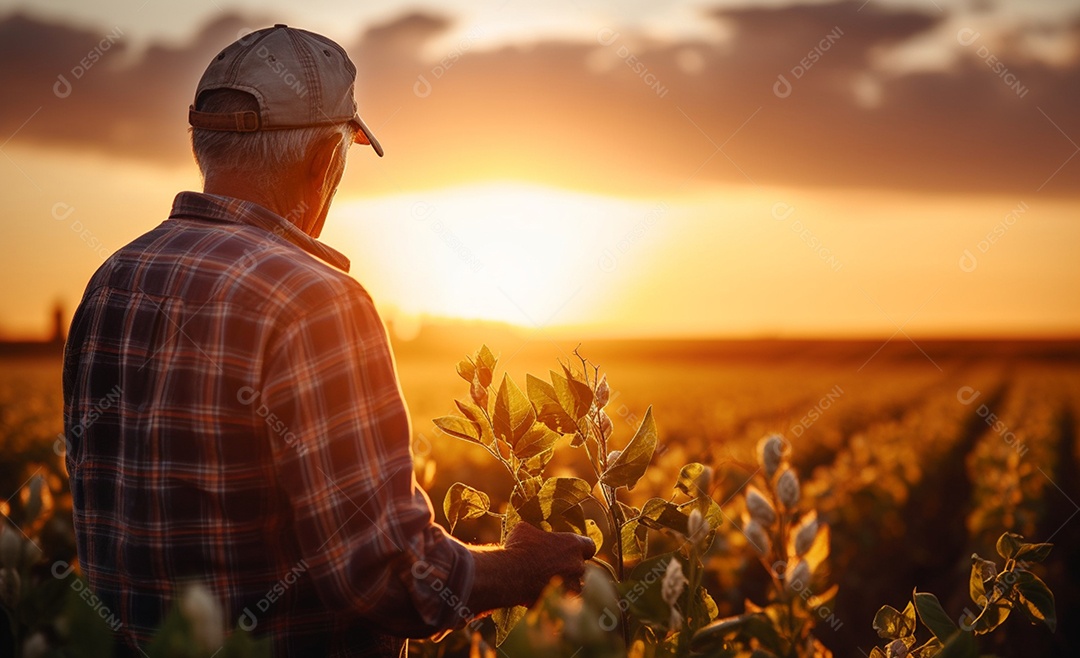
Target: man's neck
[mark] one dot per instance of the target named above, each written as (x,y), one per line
(277,200)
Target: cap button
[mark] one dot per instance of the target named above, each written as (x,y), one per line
(280,25)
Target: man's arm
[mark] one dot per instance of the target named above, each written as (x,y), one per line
(360,520)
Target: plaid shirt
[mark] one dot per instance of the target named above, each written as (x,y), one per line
(233,417)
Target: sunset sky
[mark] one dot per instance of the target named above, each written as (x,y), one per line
(600,168)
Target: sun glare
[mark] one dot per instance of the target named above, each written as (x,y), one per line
(503,251)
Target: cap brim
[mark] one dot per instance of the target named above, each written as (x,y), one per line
(365,136)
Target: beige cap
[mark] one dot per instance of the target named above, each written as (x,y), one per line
(300,79)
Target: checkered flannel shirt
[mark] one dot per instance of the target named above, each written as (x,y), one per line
(233,417)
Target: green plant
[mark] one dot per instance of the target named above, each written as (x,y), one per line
(996,594)
(793,547)
(523,430)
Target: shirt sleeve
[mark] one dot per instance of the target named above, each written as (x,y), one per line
(363,525)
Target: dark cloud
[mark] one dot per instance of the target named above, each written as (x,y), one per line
(621,113)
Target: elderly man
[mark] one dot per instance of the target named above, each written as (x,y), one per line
(261,444)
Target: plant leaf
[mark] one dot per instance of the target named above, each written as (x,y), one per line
(549,408)
(933,616)
(1034,552)
(485,366)
(658,513)
(572,394)
(535,465)
(466,370)
(1008,544)
(539,438)
(891,624)
(464,502)
(514,414)
(687,482)
(556,497)
(1036,599)
(594,533)
(581,392)
(634,541)
(960,645)
(633,461)
(459,427)
(476,415)
(505,619)
(976,588)
(994,616)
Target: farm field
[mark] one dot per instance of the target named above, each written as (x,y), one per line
(916,456)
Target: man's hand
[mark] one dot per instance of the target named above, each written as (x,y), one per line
(517,573)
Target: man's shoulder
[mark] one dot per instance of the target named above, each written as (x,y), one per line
(231,263)
(299,280)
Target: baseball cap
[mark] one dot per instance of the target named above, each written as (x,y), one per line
(300,79)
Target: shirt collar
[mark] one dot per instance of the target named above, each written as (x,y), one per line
(219,208)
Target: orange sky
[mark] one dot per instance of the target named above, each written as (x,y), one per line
(823,169)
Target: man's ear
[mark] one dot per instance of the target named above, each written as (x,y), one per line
(321,161)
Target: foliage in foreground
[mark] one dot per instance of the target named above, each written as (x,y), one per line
(995,594)
(644,598)
(653,600)
(642,604)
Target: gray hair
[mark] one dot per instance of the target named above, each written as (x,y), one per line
(260,156)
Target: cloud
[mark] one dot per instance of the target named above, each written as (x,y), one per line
(791,96)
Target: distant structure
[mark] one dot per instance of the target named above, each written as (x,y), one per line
(52,346)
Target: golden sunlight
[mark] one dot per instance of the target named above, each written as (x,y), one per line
(506,251)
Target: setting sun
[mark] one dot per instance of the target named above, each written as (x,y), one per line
(512,252)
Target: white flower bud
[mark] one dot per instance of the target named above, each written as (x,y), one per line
(761,510)
(696,527)
(203,611)
(674,582)
(35,646)
(10,587)
(598,590)
(757,537)
(704,481)
(771,453)
(603,393)
(613,455)
(799,579)
(605,424)
(33,499)
(10,546)
(806,533)
(675,621)
(787,489)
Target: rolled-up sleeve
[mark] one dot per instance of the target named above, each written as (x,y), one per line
(364,527)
